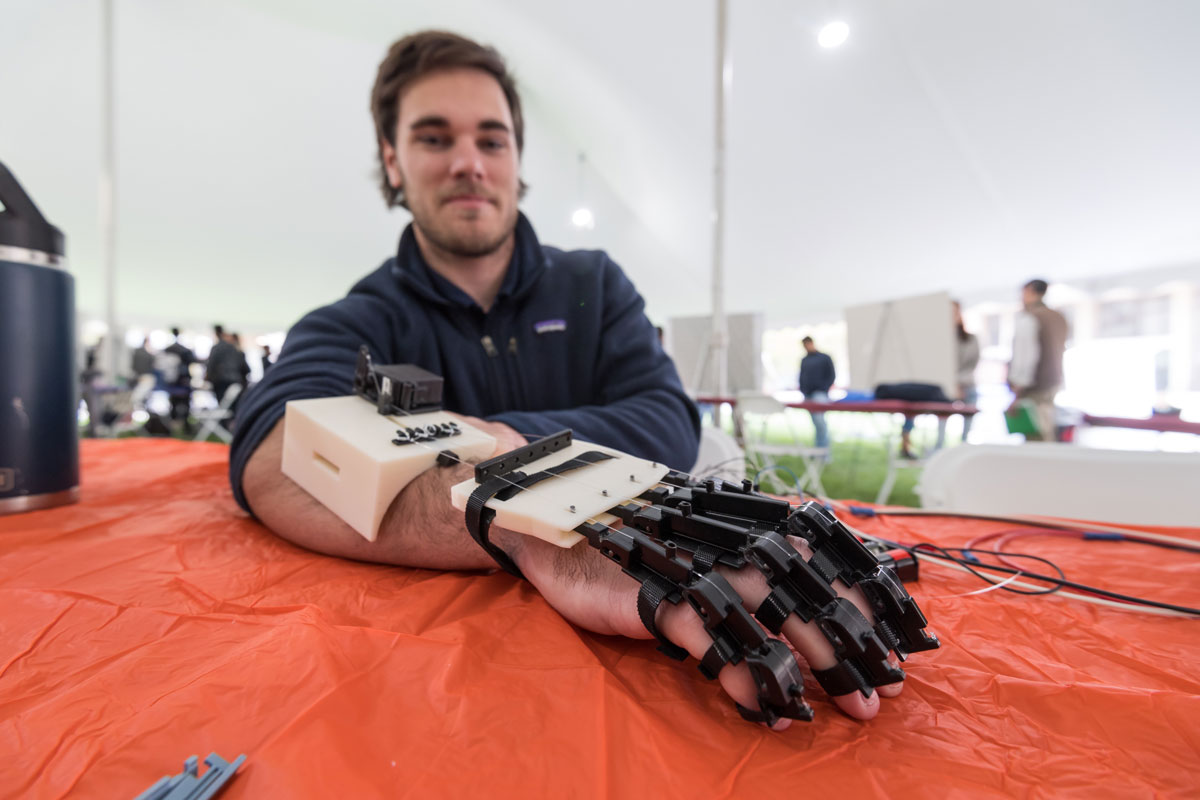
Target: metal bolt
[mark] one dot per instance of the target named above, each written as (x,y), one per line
(572,509)
(604,492)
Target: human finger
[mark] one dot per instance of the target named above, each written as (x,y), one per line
(856,596)
(680,624)
(807,639)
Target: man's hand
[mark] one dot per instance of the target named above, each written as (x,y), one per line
(422,529)
(592,592)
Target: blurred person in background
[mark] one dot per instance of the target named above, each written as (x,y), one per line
(224,367)
(174,366)
(266,358)
(144,378)
(142,362)
(243,364)
(967,347)
(1036,372)
(816,379)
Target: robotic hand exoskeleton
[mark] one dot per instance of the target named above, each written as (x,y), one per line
(675,533)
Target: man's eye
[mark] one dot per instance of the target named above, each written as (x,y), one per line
(433,140)
(493,144)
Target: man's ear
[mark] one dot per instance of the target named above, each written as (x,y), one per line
(390,165)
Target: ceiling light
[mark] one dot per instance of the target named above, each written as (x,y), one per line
(833,34)
(583,218)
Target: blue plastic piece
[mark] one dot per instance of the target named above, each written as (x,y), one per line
(189,785)
(861,511)
(1105,537)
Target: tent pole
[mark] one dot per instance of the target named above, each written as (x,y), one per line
(719,343)
(113,342)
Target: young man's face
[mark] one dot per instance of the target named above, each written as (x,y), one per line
(456,160)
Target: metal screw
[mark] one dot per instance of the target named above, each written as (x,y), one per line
(572,509)
(604,492)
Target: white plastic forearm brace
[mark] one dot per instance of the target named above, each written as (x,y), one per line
(340,450)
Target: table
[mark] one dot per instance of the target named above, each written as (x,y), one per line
(865,406)
(154,620)
(1162,423)
(906,407)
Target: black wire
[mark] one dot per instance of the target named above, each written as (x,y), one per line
(1060,583)
(1131,536)
(937,551)
(1054,526)
(944,552)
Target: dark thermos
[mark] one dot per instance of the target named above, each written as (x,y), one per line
(39,434)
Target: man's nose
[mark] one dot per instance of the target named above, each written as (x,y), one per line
(467,161)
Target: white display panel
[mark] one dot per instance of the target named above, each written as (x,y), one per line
(688,342)
(901,341)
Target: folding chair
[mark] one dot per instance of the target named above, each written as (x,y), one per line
(720,456)
(760,451)
(211,418)
(896,462)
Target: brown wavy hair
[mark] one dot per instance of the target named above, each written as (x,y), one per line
(416,56)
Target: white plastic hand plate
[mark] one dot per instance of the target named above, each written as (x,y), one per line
(544,510)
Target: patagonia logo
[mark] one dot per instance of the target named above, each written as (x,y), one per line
(550,325)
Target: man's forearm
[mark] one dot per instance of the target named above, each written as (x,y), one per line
(420,528)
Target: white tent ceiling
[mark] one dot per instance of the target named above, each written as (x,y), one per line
(947,145)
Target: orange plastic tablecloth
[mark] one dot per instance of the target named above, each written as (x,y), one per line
(155,620)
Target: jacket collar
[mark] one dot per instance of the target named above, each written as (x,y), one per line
(528,262)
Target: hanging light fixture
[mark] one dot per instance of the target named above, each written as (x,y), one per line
(833,34)
(582,217)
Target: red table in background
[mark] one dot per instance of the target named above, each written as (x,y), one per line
(864,406)
(1163,423)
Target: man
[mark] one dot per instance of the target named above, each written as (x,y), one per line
(529,340)
(224,363)
(1036,372)
(816,379)
(142,362)
(243,366)
(177,375)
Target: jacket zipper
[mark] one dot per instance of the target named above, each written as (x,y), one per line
(500,383)
(515,373)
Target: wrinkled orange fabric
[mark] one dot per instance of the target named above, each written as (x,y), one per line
(155,620)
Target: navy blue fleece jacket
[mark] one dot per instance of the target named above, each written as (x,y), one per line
(565,345)
(816,373)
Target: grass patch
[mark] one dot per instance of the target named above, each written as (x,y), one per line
(855,472)
(859,454)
